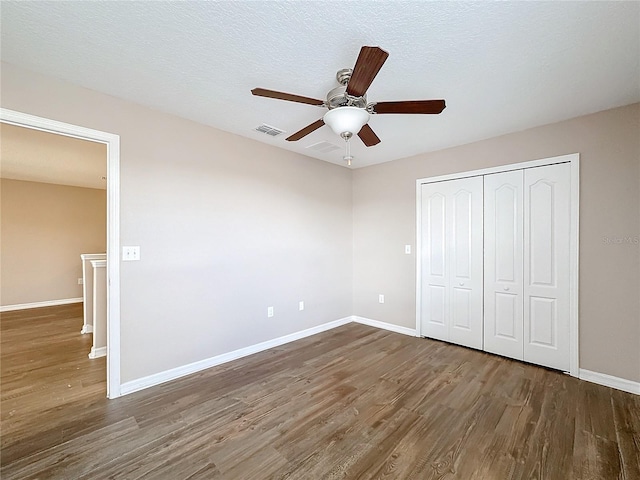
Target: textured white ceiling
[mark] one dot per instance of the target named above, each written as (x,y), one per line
(36,156)
(501,66)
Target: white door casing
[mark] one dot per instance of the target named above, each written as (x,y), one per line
(503,265)
(452,261)
(547,192)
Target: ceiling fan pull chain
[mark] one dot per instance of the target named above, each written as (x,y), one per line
(347,136)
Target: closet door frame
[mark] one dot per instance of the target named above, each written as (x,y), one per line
(574,161)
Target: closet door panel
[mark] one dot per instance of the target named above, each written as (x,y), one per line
(503,264)
(434,301)
(437,311)
(451,292)
(547,240)
(461,314)
(543,322)
(505,325)
(465,253)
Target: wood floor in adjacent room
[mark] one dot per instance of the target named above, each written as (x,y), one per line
(354,402)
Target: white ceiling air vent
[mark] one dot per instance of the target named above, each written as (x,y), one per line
(269,130)
(323,147)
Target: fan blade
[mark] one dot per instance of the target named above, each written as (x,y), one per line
(263,92)
(367,66)
(305,131)
(410,106)
(368,136)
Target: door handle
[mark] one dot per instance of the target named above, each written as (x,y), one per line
(506,289)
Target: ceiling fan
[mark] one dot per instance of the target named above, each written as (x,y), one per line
(349,110)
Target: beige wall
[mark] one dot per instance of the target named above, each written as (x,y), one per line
(227,227)
(384,210)
(44,229)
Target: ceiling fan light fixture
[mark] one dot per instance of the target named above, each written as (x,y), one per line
(346,119)
(349,110)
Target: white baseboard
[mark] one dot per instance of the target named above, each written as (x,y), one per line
(98,352)
(48,303)
(86,329)
(174,373)
(610,381)
(385,326)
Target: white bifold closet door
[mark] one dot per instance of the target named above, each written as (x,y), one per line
(547,215)
(504,264)
(451,290)
(526,265)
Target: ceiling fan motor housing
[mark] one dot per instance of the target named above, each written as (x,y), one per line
(338,97)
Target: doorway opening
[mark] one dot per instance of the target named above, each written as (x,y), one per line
(112,143)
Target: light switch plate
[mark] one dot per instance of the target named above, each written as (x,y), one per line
(407,249)
(131,253)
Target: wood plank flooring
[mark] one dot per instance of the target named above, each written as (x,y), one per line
(351,403)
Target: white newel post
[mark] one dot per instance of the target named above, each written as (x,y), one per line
(87,289)
(99,303)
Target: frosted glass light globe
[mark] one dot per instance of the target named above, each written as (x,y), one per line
(346,119)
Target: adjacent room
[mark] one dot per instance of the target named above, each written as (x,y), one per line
(325,239)
(53,212)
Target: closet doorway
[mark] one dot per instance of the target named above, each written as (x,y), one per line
(497,262)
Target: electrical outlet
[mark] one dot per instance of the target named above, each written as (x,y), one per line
(269,311)
(407,249)
(301,305)
(381,298)
(80,281)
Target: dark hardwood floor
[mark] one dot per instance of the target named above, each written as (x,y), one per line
(354,402)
